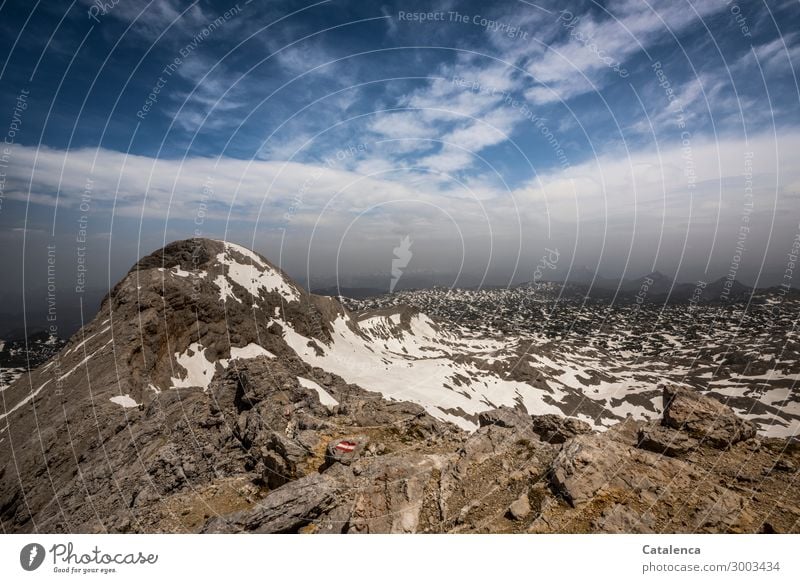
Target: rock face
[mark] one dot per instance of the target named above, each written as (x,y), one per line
(504,417)
(346,450)
(704,419)
(660,439)
(288,509)
(186,406)
(589,466)
(520,508)
(555,429)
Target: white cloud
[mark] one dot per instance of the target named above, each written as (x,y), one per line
(610,185)
(648,181)
(580,63)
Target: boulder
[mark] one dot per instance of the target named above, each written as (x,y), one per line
(287,509)
(665,440)
(720,510)
(281,458)
(554,429)
(345,450)
(504,417)
(520,508)
(590,465)
(704,418)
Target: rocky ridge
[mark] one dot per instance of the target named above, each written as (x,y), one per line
(195,402)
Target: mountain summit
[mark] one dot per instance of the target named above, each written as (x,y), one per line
(212,393)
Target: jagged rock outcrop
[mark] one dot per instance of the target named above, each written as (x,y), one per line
(704,419)
(288,509)
(657,438)
(504,417)
(506,478)
(197,402)
(555,429)
(346,450)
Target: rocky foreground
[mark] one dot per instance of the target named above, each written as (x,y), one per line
(192,404)
(701,469)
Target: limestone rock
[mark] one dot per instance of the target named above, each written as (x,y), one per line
(622,519)
(504,417)
(286,509)
(665,440)
(704,418)
(589,465)
(346,450)
(520,508)
(555,429)
(388,493)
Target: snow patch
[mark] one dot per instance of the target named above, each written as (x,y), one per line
(26,399)
(417,367)
(256,276)
(84,341)
(250,351)
(225,289)
(199,370)
(124,401)
(84,361)
(324,396)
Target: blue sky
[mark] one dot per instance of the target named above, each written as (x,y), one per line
(629,135)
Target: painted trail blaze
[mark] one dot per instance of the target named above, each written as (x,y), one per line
(346,446)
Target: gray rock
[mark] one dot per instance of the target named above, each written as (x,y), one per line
(554,429)
(346,450)
(665,440)
(520,508)
(284,510)
(589,465)
(704,418)
(389,492)
(720,510)
(504,417)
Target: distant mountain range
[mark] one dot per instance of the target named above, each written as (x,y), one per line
(653,287)
(657,287)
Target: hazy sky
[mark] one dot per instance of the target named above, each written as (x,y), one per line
(630,135)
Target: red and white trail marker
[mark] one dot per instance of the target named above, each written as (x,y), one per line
(345,446)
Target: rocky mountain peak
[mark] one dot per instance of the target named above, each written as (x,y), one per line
(213,393)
